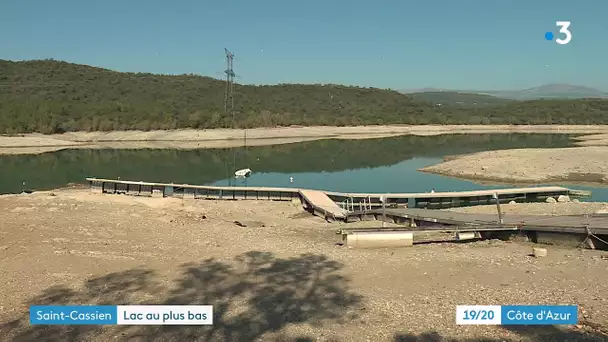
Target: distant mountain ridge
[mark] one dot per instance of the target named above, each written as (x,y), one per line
(547,91)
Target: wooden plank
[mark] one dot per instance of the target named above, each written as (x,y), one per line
(571,223)
(318,198)
(438,229)
(320,201)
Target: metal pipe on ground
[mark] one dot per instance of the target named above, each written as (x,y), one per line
(379,239)
(461,236)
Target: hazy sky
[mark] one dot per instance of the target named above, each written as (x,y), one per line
(466,44)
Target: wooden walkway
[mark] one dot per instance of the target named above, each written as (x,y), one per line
(322,205)
(594,224)
(468,193)
(450,199)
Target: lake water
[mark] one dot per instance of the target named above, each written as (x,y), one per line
(371,165)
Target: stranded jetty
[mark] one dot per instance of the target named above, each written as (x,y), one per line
(412,212)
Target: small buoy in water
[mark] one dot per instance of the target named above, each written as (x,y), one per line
(290,179)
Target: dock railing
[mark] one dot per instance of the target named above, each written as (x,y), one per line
(365,204)
(348,204)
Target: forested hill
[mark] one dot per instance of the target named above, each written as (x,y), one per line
(50,96)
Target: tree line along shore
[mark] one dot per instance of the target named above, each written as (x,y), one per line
(48,96)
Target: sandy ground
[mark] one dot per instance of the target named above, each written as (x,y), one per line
(284,281)
(188,139)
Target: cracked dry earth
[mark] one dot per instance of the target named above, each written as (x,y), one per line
(283,279)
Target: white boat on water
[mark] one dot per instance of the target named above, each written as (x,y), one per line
(242,173)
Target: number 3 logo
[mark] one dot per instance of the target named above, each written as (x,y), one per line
(563,28)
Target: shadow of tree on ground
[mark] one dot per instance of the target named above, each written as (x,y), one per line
(257,295)
(522,333)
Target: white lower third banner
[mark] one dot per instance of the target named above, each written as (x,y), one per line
(122,314)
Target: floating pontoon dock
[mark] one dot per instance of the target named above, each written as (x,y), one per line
(424,218)
(315,201)
(588,230)
(330,205)
(365,206)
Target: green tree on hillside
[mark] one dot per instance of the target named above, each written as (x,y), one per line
(52,97)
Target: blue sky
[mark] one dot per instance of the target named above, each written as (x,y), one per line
(466,44)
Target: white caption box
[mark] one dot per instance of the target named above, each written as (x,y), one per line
(478,314)
(165,314)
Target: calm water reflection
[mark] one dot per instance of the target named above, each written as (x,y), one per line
(375,165)
(401,177)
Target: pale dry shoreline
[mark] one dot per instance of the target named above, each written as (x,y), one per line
(221,138)
(561,165)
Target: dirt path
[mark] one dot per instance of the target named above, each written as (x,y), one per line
(282,278)
(188,139)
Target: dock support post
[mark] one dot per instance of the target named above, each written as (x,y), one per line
(383,200)
(500,219)
(588,242)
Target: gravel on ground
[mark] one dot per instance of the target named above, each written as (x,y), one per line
(284,278)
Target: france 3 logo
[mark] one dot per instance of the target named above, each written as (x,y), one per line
(564,30)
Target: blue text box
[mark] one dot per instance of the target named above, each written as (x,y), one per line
(74,314)
(539,314)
